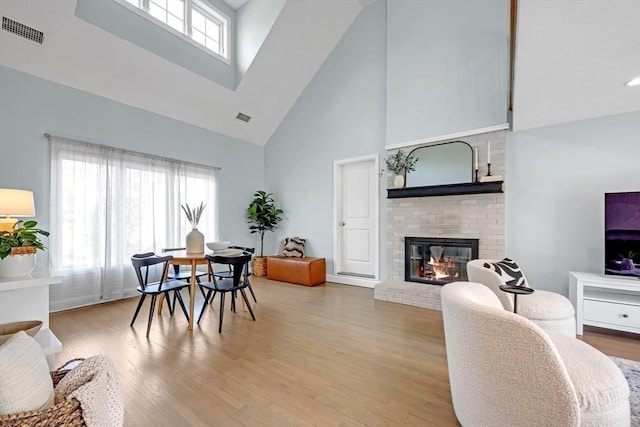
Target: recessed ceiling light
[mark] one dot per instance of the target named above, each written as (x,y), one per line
(633,82)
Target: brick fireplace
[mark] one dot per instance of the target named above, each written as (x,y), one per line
(466,216)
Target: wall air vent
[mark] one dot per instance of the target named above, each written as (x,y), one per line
(22,30)
(243,117)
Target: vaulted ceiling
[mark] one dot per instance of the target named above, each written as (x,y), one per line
(572,59)
(83,56)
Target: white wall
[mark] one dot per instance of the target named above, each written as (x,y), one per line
(339,115)
(254,20)
(557,177)
(447,67)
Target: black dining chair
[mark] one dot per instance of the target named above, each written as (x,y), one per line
(228,273)
(142,263)
(237,283)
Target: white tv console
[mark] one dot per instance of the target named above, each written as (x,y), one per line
(611,302)
(27,298)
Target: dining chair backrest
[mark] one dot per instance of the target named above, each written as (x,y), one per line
(238,263)
(176,267)
(142,262)
(245,249)
(144,255)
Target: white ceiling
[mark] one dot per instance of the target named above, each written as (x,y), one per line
(572,60)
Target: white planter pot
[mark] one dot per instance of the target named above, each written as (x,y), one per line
(17,265)
(398,181)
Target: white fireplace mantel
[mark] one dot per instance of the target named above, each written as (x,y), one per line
(27,298)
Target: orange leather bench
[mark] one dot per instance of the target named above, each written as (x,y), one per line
(305,271)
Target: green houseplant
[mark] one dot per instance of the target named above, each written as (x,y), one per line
(399,164)
(18,248)
(262,215)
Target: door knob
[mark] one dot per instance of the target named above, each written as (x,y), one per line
(342,223)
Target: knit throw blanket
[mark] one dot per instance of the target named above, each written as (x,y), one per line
(96,385)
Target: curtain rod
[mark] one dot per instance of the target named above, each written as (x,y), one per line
(49,137)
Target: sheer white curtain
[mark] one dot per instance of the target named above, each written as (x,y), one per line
(106,205)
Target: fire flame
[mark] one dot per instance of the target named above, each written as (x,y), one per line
(441,269)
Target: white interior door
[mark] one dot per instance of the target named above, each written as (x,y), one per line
(357,233)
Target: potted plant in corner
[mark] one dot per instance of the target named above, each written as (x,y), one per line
(263,215)
(399,164)
(18,248)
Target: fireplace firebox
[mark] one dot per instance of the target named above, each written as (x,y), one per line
(437,261)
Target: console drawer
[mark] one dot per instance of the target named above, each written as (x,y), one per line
(612,313)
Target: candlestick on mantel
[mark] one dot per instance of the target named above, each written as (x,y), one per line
(488,151)
(475,162)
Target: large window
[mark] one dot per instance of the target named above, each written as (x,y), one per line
(194,18)
(108,204)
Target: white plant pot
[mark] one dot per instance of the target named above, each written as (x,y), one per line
(398,181)
(17,265)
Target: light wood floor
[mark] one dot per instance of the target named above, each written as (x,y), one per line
(325,356)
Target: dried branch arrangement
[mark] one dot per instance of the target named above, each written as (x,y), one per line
(193,215)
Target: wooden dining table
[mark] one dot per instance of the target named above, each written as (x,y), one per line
(181,257)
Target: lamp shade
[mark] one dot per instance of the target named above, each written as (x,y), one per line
(16,203)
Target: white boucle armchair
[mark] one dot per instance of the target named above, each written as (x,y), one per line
(504,370)
(549,310)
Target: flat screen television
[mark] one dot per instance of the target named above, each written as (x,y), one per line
(622,234)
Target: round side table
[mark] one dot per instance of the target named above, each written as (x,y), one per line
(516,290)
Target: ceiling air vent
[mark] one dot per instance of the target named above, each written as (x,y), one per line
(22,30)
(243,117)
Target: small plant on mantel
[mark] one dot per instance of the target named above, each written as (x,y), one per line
(23,239)
(400,164)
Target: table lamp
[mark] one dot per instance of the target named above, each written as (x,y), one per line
(15,204)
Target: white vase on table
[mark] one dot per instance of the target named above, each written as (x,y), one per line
(195,242)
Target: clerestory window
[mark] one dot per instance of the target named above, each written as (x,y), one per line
(196,19)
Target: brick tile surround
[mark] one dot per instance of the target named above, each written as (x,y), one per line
(478,216)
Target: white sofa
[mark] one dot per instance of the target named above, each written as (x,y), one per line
(504,370)
(549,310)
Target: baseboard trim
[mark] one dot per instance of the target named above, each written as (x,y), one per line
(351,280)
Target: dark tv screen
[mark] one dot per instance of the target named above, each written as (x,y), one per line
(622,234)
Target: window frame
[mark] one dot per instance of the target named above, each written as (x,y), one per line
(206,9)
